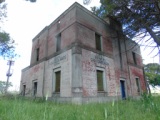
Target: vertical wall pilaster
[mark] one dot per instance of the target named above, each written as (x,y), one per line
(76,71)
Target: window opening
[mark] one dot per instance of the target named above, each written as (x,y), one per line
(58,42)
(138,85)
(37,54)
(98,42)
(57,80)
(134,58)
(100,86)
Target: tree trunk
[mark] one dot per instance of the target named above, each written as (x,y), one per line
(156,38)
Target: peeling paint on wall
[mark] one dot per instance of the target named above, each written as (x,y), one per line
(90,61)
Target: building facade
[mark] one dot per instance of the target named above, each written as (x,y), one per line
(80,57)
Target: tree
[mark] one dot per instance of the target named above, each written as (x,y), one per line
(3,86)
(140,19)
(86,2)
(32,0)
(152,73)
(2,10)
(6,43)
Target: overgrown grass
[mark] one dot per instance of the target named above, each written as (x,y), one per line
(147,108)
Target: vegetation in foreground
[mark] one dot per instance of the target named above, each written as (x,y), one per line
(148,108)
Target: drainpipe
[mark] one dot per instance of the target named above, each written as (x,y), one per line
(128,65)
(46,54)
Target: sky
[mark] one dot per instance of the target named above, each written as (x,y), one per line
(25,20)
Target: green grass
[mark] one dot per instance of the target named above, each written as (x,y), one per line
(18,109)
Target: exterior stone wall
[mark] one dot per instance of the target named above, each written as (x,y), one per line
(33,74)
(92,62)
(63,62)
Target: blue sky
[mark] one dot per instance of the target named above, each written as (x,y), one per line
(25,20)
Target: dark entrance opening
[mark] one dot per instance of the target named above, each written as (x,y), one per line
(24,90)
(122,83)
(35,89)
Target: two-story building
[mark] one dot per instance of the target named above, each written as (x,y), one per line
(80,57)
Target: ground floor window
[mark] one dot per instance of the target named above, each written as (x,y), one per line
(138,85)
(100,84)
(57,81)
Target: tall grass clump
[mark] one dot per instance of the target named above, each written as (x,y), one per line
(147,108)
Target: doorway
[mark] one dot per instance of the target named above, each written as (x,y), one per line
(35,88)
(122,85)
(24,90)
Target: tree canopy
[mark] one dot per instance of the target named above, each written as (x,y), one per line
(140,19)
(32,0)
(3,86)
(6,43)
(152,73)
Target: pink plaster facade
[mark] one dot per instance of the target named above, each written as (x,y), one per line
(78,60)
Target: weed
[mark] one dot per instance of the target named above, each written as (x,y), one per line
(148,108)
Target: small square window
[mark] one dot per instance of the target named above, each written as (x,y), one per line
(98,42)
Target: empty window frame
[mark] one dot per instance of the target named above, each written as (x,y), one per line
(35,85)
(134,58)
(100,84)
(58,44)
(57,81)
(138,85)
(24,90)
(37,54)
(98,42)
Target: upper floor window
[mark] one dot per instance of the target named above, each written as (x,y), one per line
(37,54)
(58,24)
(98,42)
(58,44)
(134,58)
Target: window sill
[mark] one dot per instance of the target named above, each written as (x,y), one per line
(102,94)
(56,94)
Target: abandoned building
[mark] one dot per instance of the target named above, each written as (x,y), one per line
(82,58)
